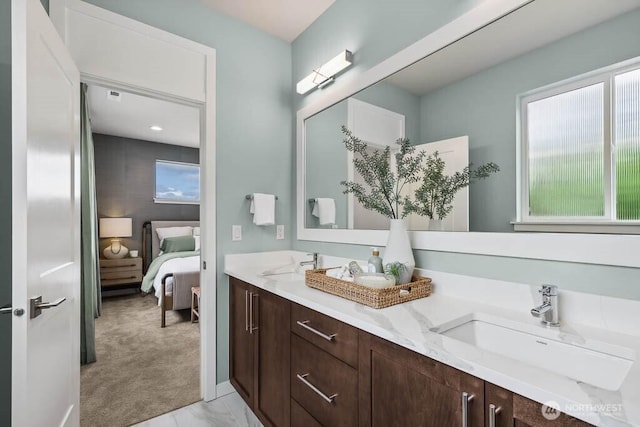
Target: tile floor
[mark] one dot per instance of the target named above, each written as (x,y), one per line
(229,410)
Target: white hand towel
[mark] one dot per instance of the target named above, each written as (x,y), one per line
(263,208)
(325,210)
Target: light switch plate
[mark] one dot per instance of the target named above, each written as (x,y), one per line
(236,233)
(280,232)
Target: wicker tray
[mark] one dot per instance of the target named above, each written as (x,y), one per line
(420,287)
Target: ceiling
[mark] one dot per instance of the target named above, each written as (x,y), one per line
(133,115)
(285,19)
(524,30)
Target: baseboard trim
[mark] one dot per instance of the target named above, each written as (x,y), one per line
(224,388)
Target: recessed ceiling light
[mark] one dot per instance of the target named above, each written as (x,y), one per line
(155,128)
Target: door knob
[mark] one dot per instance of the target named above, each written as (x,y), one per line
(7,309)
(36,305)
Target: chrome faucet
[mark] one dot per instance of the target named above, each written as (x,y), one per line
(548,310)
(313,262)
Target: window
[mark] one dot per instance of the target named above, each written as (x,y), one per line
(580,153)
(177,182)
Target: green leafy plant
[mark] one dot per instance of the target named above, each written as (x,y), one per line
(434,197)
(395,269)
(384,192)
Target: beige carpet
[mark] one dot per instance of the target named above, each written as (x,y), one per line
(142,370)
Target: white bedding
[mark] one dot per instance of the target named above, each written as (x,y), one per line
(175,265)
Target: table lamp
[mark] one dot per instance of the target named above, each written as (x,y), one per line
(115,228)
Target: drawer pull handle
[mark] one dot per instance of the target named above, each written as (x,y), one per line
(117,266)
(328,399)
(466,398)
(251,327)
(246,311)
(305,325)
(493,411)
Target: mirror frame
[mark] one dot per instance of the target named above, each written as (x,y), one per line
(606,249)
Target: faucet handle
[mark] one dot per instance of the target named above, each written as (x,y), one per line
(548,290)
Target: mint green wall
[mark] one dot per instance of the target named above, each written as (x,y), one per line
(254,123)
(5,210)
(483,106)
(372,29)
(375,30)
(326,163)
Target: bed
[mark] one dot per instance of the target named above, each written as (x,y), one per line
(170,275)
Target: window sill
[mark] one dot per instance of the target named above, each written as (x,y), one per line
(176,202)
(627,227)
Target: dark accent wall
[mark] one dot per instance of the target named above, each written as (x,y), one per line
(5,210)
(125,182)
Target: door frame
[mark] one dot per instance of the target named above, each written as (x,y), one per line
(207,106)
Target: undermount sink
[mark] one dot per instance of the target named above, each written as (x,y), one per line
(290,276)
(596,363)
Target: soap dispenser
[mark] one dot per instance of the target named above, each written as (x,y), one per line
(374,264)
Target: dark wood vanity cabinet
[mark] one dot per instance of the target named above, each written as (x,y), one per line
(528,413)
(241,342)
(297,367)
(498,405)
(324,369)
(399,387)
(260,351)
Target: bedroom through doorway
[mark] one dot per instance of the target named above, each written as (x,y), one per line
(147,185)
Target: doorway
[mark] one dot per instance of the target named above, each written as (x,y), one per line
(165,66)
(146,169)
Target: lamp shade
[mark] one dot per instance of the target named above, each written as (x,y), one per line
(115,227)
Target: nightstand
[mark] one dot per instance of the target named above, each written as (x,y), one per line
(115,272)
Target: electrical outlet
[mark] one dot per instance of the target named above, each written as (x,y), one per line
(236,233)
(280,232)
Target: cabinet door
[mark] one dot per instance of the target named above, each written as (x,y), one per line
(241,341)
(502,401)
(528,413)
(271,390)
(399,387)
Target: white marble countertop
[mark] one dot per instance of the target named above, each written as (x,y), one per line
(409,325)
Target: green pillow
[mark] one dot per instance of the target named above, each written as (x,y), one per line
(178,244)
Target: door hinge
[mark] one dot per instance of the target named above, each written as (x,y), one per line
(204,265)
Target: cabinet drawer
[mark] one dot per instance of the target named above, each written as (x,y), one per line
(130,263)
(301,418)
(331,335)
(323,385)
(114,282)
(116,273)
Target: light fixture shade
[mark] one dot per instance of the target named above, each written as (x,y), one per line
(115,227)
(325,72)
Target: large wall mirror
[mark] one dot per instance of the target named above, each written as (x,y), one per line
(462,99)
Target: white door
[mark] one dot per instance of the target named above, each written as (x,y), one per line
(455,153)
(379,128)
(45,222)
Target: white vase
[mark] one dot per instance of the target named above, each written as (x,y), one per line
(399,249)
(435,225)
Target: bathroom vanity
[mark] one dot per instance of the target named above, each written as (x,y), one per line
(302,357)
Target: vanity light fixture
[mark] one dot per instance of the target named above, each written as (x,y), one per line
(325,73)
(155,128)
